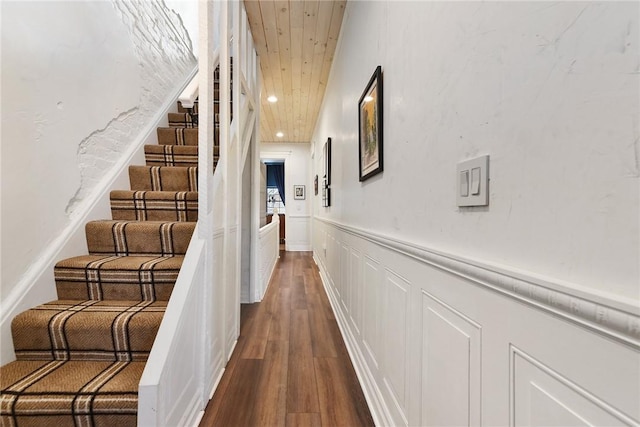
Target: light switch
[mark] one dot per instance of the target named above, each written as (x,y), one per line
(475,181)
(464,183)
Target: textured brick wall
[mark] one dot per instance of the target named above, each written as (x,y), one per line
(164,52)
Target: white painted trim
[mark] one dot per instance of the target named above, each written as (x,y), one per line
(297,248)
(190,93)
(611,316)
(29,291)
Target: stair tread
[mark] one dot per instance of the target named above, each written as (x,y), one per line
(108,277)
(163,178)
(87,330)
(181,120)
(149,238)
(171,155)
(52,391)
(148,205)
(177,136)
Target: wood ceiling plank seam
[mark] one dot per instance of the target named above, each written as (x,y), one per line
(296,72)
(271,33)
(332,41)
(296,17)
(310,24)
(268,88)
(324,15)
(284,43)
(255,22)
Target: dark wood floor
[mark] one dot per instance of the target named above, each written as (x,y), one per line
(290,366)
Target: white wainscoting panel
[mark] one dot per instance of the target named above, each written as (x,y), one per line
(372,310)
(544,397)
(355,284)
(342,287)
(298,232)
(395,317)
(450,379)
(438,340)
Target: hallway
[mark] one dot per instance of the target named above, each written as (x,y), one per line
(290,366)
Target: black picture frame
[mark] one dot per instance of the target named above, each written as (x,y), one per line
(370,128)
(327,160)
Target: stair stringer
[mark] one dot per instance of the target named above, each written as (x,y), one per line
(201,323)
(37,285)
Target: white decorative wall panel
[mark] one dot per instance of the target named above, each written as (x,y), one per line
(343,286)
(395,317)
(450,366)
(355,285)
(430,333)
(543,397)
(371,300)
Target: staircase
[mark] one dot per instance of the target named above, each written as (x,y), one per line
(80,358)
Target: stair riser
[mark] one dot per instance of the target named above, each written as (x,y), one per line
(154,206)
(158,178)
(70,393)
(171,155)
(178,136)
(148,238)
(87,331)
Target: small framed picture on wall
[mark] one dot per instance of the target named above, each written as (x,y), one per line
(298,192)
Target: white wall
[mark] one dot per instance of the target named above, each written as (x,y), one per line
(507,314)
(82,84)
(297,172)
(550,92)
(187,13)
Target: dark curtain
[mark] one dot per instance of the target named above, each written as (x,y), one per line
(275,177)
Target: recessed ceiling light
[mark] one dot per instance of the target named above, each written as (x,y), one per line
(272,98)
(279,134)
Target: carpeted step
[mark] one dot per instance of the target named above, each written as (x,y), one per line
(163,178)
(87,330)
(171,155)
(99,277)
(146,238)
(69,393)
(181,120)
(154,205)
(177,136)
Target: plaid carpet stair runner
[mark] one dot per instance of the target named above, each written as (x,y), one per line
(154,205)
(80,358)
(112,277)
(163,178)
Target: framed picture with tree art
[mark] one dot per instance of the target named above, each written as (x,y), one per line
(370,127)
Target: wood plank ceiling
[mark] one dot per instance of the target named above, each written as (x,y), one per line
(295,41)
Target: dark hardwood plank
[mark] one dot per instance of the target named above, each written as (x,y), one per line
(258,336)
(236,408)
(303,420)
(298,295)
(341,398)
(270,408)
(302,393)
(281,322)
(322,338)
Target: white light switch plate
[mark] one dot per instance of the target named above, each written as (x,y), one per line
(476,173)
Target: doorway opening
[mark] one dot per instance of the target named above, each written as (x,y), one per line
(275,195)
